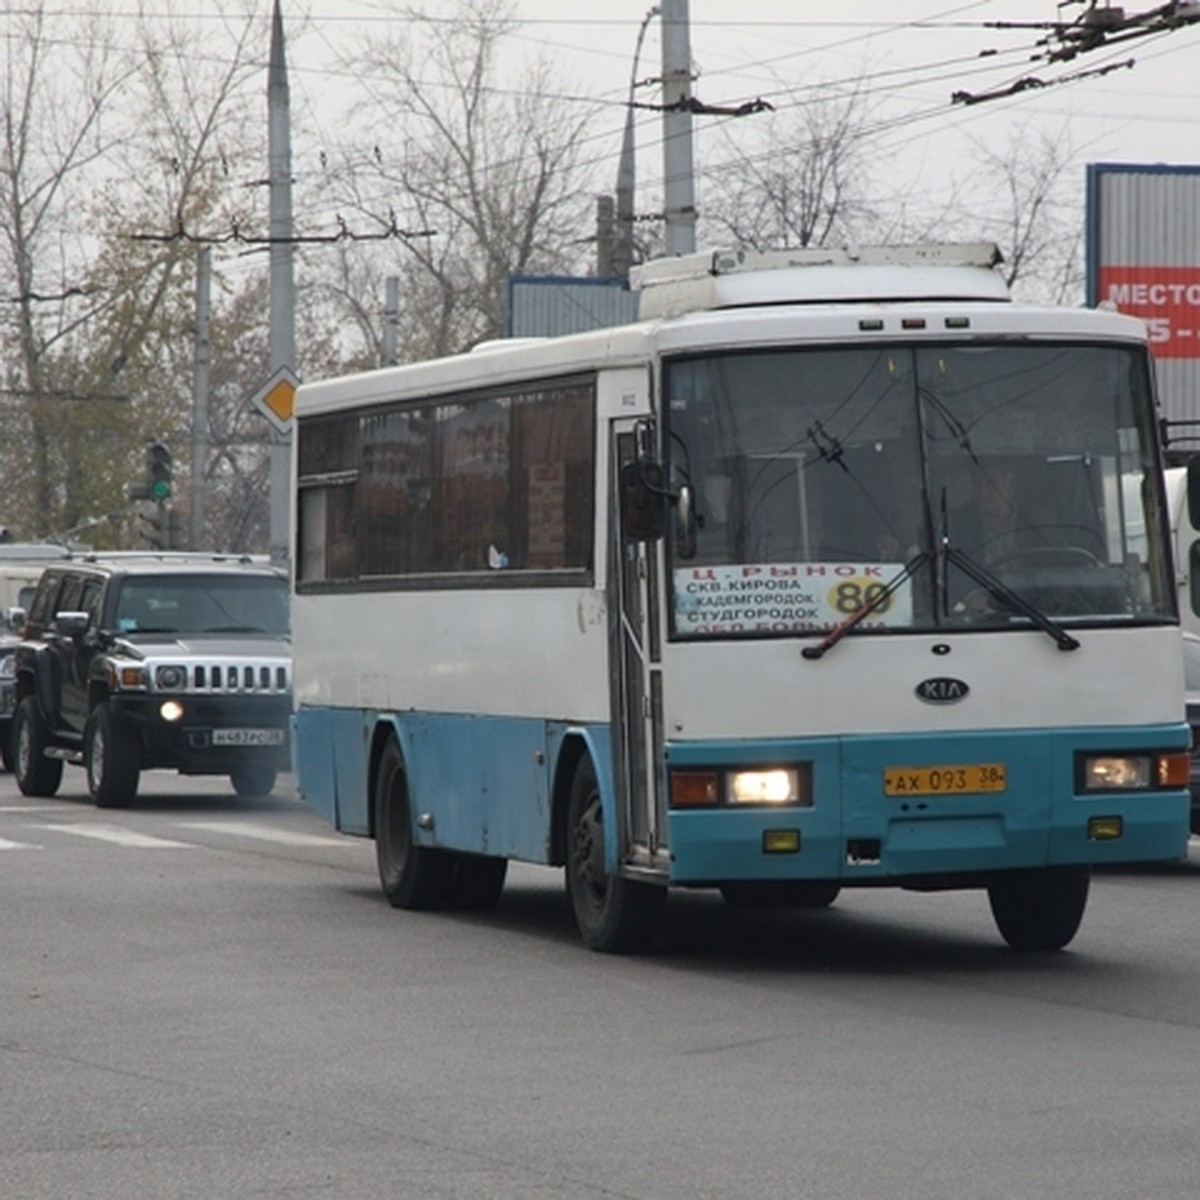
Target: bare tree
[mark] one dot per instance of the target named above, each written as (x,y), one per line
(53,135)
(1027,196)
(805,180)
(492,173)
(108,161)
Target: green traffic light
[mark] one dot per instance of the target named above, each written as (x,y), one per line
(158,468)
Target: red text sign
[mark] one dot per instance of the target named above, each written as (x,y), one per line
(1166,298)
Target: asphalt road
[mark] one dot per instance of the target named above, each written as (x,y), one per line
(204,997)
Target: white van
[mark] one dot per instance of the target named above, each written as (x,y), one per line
(1186,545)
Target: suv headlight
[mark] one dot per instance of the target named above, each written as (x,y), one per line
(8,664)
(171,678)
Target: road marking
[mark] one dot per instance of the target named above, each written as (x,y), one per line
(121,837)
(264,833)
(38,808)
(7,845)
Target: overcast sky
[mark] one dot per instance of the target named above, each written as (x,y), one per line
(789,51)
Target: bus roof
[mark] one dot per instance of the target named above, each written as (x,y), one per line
(819,275)
(807,297)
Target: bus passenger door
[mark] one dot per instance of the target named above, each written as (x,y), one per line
(636,668)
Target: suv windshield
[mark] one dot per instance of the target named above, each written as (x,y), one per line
(202,604)
(819,475)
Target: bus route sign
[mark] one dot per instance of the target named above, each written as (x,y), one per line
(784,597)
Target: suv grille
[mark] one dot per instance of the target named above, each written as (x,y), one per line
(236,677)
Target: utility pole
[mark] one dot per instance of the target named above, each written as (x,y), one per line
(283,284)
(605,238)
(200,394)
(391,321)
(679,193)
(622,253)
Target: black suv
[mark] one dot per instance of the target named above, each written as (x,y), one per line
(132,662)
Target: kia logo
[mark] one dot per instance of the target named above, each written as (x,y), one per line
(941,690)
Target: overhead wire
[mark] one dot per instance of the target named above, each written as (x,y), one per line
(782,98)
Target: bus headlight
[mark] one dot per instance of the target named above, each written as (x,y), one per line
(1135,772)
(1116,772)
(712,787)
(779,785)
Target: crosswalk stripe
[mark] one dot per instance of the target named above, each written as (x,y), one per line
(265,833)
(121,837)
(40,809)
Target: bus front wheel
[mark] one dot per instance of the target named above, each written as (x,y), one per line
(412,876)
(1040,909)
(613,914)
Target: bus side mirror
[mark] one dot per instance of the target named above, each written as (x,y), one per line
(1193,491)
(685,522)
(643,501)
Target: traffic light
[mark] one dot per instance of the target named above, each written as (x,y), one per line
(174,529)
(157,531)
(158,471)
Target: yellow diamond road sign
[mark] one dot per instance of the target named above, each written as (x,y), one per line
(276,398)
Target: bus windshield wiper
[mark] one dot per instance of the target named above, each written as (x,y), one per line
(997,588)
(867,607)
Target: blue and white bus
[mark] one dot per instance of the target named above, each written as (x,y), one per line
(836,569)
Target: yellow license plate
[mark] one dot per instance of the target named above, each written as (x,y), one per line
(956,780)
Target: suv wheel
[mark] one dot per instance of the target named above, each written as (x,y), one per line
(36,774)
(112,757)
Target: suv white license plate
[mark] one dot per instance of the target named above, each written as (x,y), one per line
(247,737)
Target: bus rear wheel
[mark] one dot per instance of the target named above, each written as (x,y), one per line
(615,915)
(1039,909)
(412,876)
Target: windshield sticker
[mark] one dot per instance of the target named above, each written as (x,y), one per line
(786,597)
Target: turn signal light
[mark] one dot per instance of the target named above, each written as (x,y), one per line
(695,789)
(1174,770)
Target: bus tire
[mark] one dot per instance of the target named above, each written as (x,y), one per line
(412,876)
(1039,909)
(798,893)
(614,915)
(477,881)
(36,774)
(111,758)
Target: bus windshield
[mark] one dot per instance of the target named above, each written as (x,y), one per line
(957,475)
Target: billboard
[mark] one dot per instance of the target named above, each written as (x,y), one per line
(1143,257)
(551,305)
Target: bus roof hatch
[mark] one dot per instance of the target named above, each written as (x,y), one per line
(817,275)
